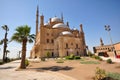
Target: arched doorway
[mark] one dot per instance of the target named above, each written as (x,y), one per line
(103,54)
(77,53)
(67,53)
(52,54)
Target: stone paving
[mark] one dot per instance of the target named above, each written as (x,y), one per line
(7,72)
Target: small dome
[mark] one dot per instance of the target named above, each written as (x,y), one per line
(56,19)
(46,23)
(65,33)
(60,25)
(74,28)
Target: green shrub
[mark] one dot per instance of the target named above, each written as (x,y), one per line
(90,53)
(60,61)
(93,56)
(42,59)
(114,75)
(48,54)
(100,59)
(1,62)
(99,74)
(7,59)
(97,57)
(77,57)
(89,62)
(26,62)
(13,59)
(71,56)
(109,61)
(67,57)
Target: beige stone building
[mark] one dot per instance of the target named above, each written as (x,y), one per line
(107,49)
(57,38)
(117,48)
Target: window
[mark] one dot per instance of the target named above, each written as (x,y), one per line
(76,45)
(52,41)
(47,34)
(52,35)
(47,40)
(66,45)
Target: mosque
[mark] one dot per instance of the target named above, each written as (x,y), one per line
(56,38)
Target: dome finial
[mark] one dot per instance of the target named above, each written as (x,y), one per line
(67,23)
(62,17)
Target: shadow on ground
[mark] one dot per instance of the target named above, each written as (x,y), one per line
(9,67)
(53,68)
(15,62)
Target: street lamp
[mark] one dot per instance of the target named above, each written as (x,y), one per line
(107,28)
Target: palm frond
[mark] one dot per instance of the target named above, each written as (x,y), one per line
(31,38)
(22,32)
(1,42)
(5,27)
(7,51)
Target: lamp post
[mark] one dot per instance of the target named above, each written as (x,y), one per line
(107,28)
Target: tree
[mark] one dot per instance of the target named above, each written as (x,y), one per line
(7,51)
(22,35)
(48,54)
(4,41)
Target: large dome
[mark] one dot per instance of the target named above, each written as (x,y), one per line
(66,33)
(56,19)
(60,25)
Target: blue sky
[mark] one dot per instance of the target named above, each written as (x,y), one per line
(93,14)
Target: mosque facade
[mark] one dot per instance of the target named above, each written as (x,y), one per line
(56,38)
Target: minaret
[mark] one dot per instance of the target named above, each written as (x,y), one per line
(81,29)
(41,21)
(82,34)
(82,40)
(37,20)
(101,42)
(62,17)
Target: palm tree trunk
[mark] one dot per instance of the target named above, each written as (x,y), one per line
(5,46)
(22,65)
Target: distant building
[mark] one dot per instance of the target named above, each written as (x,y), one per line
(107,48)
(56,37)
(117,48)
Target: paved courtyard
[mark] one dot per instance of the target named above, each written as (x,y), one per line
(7,72)
(43,70)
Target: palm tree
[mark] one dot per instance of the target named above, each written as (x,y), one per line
(4,41)
(22,35)
(7,51)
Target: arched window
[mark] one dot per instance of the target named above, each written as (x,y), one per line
(66,45)
(52,41)
(76,45)
(47,40)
